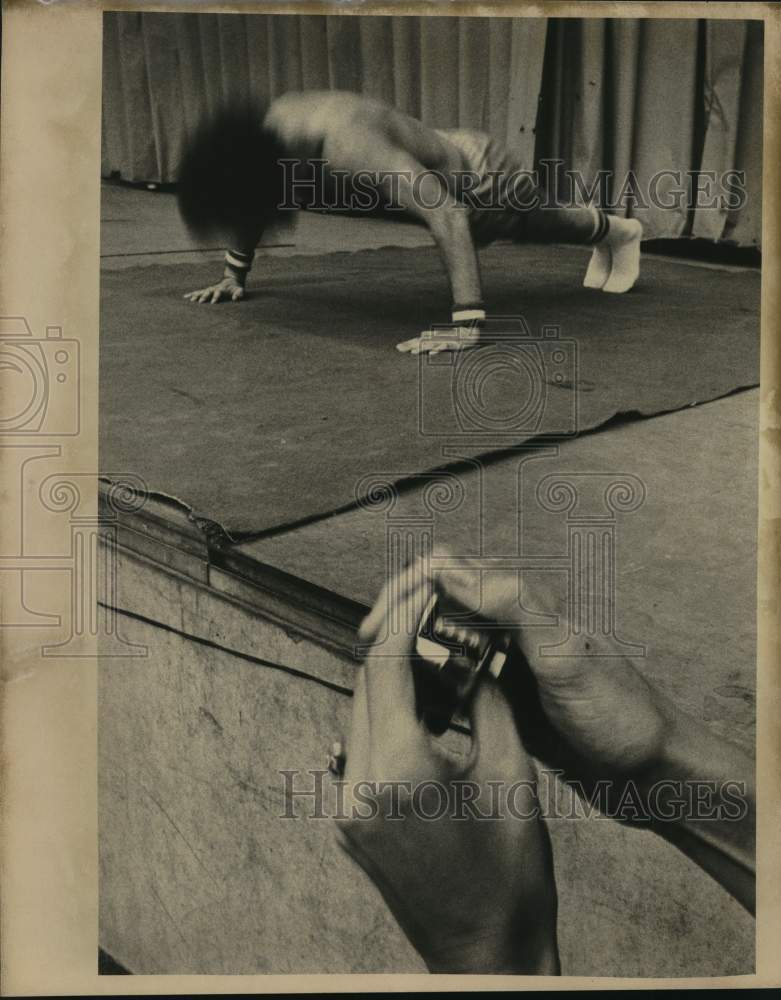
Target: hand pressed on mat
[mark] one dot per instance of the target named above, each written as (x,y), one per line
(229,289)
(458,338)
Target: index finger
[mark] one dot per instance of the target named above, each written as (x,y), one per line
(494,594)
(395,590)
(390,686)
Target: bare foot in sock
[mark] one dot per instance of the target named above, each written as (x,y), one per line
(599,266)
(615,260)
(623,239)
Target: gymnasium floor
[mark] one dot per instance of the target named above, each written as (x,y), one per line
(686,550)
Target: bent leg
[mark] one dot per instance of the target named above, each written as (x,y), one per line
(508,204)
(615,262)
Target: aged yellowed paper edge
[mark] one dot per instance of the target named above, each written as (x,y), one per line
(50,199)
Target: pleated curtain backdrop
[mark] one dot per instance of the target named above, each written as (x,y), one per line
(618,95)
(647,95)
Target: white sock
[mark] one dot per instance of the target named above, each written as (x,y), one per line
(623,239)
(599,266)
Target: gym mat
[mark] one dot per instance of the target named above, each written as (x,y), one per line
(288,405)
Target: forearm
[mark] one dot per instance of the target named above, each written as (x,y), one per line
(706,785)
(450,229)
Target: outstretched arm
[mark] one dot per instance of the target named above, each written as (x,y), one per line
(720,834)
(448,223)
(423,194)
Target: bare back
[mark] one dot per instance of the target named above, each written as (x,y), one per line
(355,133)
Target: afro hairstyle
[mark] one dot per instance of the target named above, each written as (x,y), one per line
(230,181)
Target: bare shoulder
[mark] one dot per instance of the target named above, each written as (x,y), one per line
(321,107)
(306,121)
(342,120)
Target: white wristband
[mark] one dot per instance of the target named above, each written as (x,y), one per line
(238,265)
(467,315)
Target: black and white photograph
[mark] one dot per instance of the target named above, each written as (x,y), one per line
(428,439)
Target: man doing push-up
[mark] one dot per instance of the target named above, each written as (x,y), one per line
(245,172)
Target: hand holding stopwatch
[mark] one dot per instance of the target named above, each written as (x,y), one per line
(451,659)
